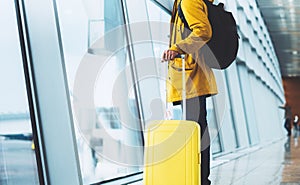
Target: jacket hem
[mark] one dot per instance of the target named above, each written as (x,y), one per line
(188,96)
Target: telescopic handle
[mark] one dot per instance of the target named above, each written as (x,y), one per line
(183,88)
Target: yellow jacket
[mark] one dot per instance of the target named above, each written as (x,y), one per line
(200,79)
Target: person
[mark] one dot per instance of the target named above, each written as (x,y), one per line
(288,118)
(295,123)
(200,79)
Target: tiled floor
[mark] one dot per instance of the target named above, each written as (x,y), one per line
(276,163)
(291,170)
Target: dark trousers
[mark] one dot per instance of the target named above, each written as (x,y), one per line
(196,111)
(287,126)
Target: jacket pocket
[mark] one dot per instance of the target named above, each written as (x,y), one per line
(175,77)
(176,64)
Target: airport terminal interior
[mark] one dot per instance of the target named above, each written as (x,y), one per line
(82,79)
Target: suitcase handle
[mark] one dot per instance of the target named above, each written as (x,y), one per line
(183,88)
(182,56)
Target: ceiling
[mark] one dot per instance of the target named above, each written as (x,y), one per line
(282,18)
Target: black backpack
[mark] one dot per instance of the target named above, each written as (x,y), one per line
(223,46)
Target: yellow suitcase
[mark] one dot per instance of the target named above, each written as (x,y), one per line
(172,151)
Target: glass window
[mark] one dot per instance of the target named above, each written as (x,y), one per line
(108,127)
(213,127)
(155,15)
(17,155)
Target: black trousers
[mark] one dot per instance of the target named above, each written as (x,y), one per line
(196,111)
(287,126)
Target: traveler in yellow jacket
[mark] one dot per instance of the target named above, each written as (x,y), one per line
(200,80)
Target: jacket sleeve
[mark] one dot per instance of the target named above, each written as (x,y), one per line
(195,14)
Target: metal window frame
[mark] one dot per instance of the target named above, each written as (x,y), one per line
(48,93)
(162,5)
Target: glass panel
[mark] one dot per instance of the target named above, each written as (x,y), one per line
(155,15)
(104,101)
(230,111)
(17,156)
(213,127)
(248,104)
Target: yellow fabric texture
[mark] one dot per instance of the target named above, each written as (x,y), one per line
(200,79)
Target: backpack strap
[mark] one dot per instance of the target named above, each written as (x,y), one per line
(207,1)
(181,15)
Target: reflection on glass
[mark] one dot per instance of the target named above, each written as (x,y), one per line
(17,156)
(109,137)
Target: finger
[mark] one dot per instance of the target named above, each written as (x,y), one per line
(174,54)
(166,55)
(169,54)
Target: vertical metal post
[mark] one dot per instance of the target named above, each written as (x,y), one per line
(50,93)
